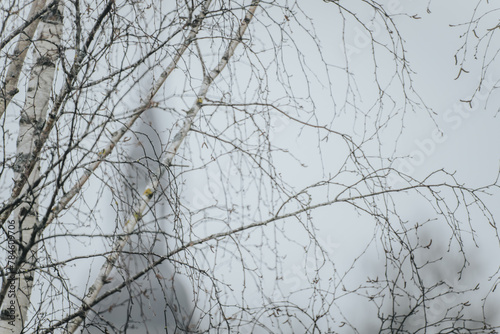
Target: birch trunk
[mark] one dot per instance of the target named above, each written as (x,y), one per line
(148,193)
(14,71)
(21,276)
(23,176)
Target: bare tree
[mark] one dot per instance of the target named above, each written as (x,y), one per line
(149,183)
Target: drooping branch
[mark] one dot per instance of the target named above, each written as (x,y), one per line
(341,198)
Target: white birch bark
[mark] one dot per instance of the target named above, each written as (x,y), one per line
(148,193)
(15,305)
(22,177)
(14,71)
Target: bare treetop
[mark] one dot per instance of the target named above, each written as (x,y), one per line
(202,166)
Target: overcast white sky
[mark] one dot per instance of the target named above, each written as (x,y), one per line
(464,141)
